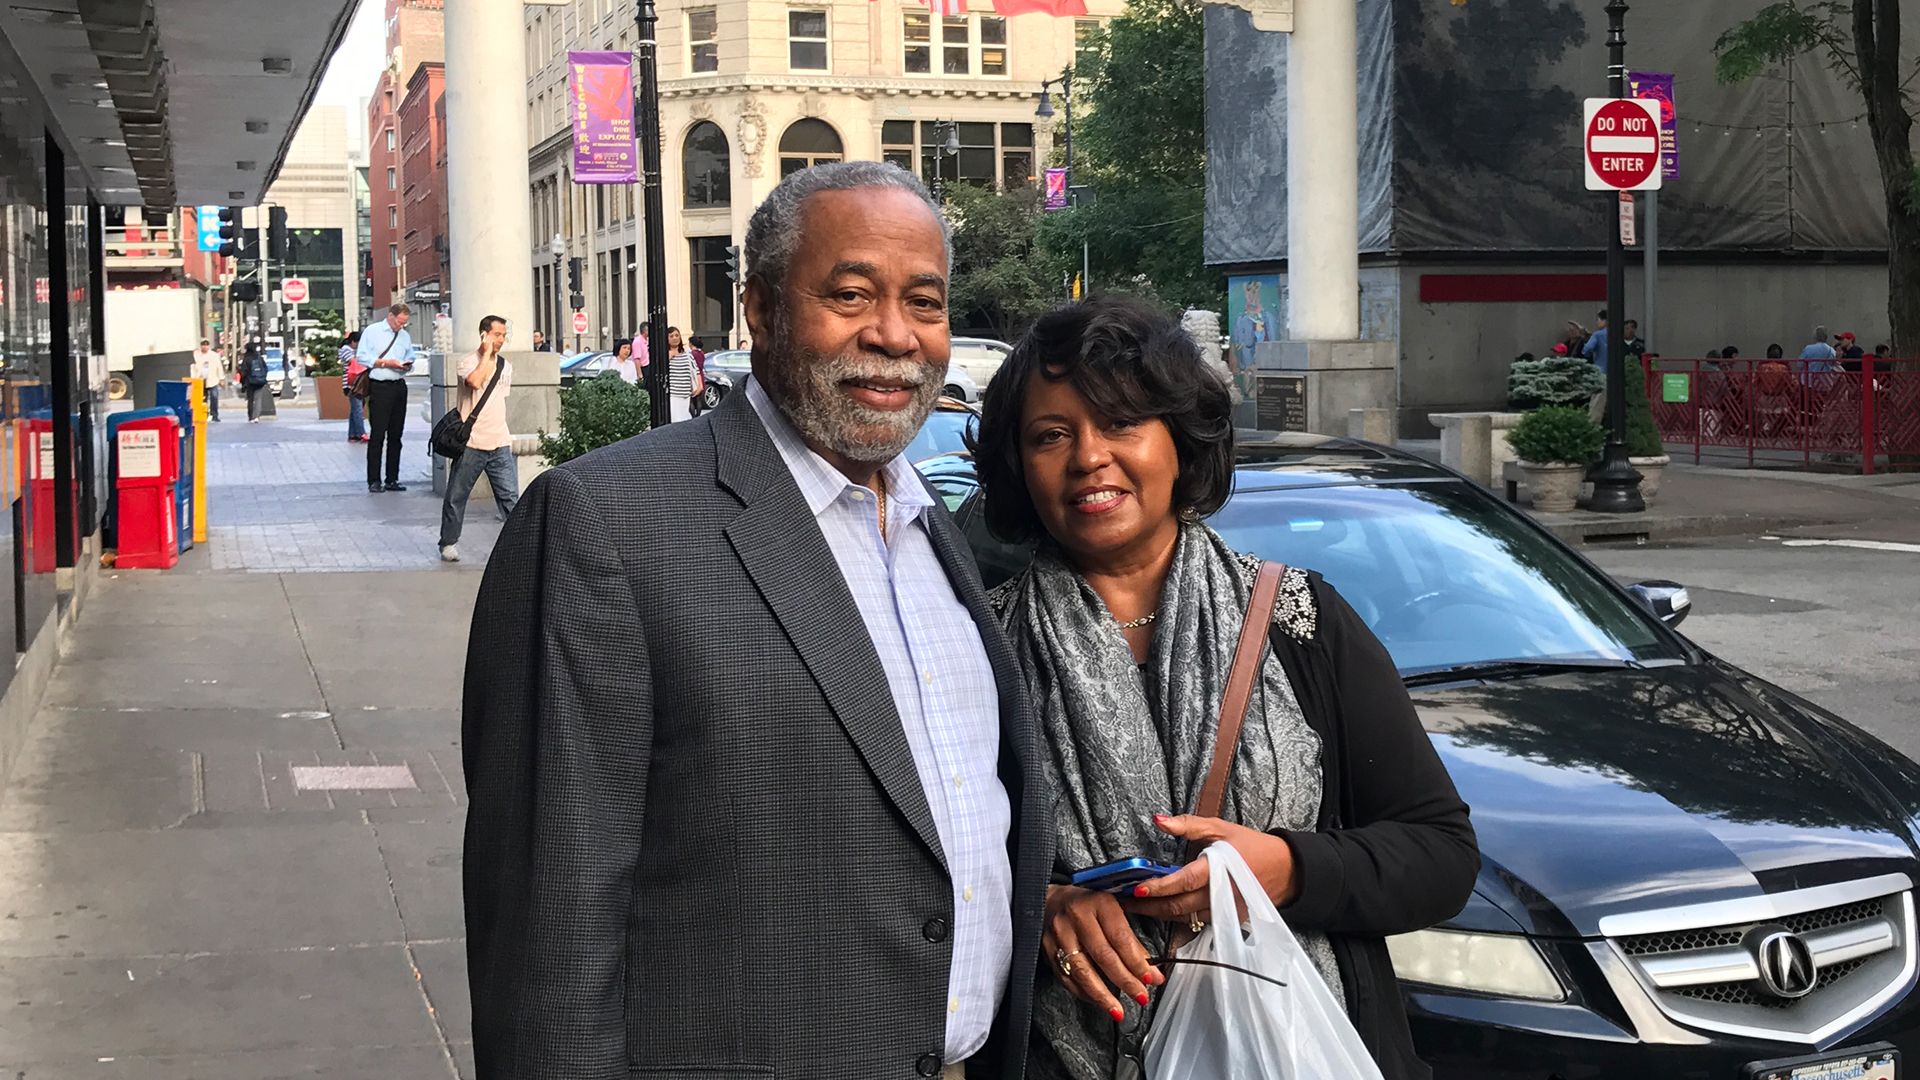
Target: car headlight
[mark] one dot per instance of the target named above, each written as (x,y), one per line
(1504,964)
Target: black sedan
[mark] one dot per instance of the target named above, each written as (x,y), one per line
(1688,871)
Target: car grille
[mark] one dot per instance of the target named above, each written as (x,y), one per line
(1709,976)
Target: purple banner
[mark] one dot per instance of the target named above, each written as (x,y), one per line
(600,86)
(1659,87)
(1056,189)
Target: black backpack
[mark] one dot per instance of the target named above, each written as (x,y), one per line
(255,371)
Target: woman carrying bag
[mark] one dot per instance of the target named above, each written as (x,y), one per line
(1106,440)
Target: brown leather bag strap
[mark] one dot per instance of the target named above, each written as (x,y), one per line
(1233,706)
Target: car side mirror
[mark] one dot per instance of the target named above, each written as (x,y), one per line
(1668,600)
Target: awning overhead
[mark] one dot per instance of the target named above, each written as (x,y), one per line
(177,102)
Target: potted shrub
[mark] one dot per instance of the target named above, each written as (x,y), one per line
(1644,449)
(1556,444)
(595,413)
(326,385)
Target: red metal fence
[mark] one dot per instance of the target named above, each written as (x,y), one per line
(1786,412)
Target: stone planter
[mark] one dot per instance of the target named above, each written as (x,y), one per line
(1649,469)
(333,400)
(1555,487)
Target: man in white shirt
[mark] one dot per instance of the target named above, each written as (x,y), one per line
(208,368)
(489,446)
(384,347)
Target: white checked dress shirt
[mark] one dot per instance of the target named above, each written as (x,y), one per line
(944,690)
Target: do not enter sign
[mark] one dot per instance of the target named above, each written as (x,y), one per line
(1623,144)
(294,290)
(579,322)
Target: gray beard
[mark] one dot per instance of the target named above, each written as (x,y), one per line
(807,389)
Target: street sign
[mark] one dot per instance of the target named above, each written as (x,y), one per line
(1673,388)
(579,322)
(1627,237)
(207,218)
(1623,144)
(294,290)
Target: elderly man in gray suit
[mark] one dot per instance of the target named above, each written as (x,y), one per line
(755,788)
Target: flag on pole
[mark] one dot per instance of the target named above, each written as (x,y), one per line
(947,7)
(1056,8)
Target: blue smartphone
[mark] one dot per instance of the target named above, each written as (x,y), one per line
(1120,877)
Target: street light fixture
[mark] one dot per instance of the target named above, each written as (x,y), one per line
(948,148)
(559,250)
(648,116)
(1045,112)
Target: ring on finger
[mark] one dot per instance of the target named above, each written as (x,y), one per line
(1065,960)
(1195,923)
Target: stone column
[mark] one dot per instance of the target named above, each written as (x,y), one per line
(487,182)
(1323,173)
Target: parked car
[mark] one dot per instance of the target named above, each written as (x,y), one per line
(960,385)
(1686,869)
(277,372)
(980,357)
(584,365)
(725,369)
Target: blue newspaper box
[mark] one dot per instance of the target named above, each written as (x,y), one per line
(114,420)
(177,395)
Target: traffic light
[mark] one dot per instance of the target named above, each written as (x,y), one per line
(233,235)
(576,266)
(277,233)
(244,292)
(733,263)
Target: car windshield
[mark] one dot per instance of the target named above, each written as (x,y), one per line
(943,433)
(1443,575)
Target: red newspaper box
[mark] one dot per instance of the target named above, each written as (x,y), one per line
(147,459)
(36,479)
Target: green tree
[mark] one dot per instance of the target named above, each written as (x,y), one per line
(323,344)
(595,413)
(997,285)
(1139,143)
(1861,44)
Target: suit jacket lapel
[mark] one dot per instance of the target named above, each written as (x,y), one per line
(787,557)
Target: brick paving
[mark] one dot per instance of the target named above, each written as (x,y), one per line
(288,495)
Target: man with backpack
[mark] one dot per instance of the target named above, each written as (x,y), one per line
(253,379)
(485,381)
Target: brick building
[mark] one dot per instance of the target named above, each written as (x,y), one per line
(414,37)
(423,189)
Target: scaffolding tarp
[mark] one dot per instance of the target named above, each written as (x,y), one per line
(1470,134)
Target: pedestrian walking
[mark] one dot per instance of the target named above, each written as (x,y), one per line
(253,380)
(211,371)
(1128,714)
(683,364)
(350,369)
(383,348)
(623,364)
(829,862)
(1595,349)
(485,381)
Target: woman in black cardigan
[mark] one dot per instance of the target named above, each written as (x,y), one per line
(1104,439)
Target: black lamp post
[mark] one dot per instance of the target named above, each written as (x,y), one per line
(647,111)
(949,148)
(1045,112)
(1616,485)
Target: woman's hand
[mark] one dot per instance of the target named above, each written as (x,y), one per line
(1091,930)
(1186,892)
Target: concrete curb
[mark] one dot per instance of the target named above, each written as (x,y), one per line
(1582,527)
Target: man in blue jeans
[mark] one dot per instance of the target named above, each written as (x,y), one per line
(489,445)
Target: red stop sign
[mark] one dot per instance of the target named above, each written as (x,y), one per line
(294,290)
(1622,144)
(579,322)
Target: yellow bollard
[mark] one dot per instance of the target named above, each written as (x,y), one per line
(199,460)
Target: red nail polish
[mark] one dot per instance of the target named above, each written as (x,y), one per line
(1161,819)
(1117,1014)
(1141,997)
(1139,890)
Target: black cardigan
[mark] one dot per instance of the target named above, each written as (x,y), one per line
(1394,850)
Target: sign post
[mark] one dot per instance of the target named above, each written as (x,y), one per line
(1657,87)
(1622,144)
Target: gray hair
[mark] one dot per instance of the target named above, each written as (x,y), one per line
(1819,333)
(773,234)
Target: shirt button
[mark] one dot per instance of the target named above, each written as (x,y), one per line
(967,895)
(927,676)
(935,930)
(859,496)
(953,1005)
(957,782)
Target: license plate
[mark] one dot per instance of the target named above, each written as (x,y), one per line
(1881,1061)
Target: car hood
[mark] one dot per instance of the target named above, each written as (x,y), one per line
(1603,792)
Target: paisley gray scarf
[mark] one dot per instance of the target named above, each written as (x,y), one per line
(1127,741)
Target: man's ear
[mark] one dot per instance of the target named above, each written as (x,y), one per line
(757,302)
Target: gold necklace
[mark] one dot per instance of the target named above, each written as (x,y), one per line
(882,493)
(1135,624)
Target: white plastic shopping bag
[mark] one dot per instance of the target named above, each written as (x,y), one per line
(1215,1023)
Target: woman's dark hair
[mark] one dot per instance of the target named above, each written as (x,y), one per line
(352,338)
(1131,362)
(1775,352)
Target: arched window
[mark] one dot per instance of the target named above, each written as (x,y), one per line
(706,166)
(807,143)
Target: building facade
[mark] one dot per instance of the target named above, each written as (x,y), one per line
(751,92)
(423,189)
(316,186)
(414,37)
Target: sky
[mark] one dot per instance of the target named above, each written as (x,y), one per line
(354,69)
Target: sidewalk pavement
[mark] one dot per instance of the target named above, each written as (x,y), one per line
(230,847)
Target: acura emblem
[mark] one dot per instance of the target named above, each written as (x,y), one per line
(1786,965)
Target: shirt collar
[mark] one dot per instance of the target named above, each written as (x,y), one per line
(820,483)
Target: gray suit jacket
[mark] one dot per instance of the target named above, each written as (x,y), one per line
(698,846)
